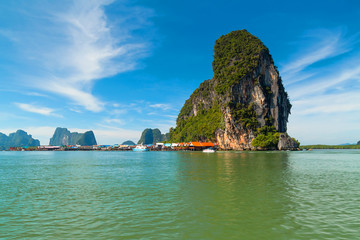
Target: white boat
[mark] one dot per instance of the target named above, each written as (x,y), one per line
(209,150)
(140,148)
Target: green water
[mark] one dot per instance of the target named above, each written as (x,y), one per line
(174,195)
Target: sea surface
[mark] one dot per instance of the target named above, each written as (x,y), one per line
(180,195)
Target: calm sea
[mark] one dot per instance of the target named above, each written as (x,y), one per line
(180,195)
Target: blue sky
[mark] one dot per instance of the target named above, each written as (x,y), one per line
(117,67)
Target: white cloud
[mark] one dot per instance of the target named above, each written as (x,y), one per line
(80,97)
(112,135)
(10,116)
(37,109)
(332,103)
(37,94)
(325,94)
(75,110)
(114,121)
(9,35)
(324,44)
(334,79)
(117,112)
(73,45)
(171,116)
(161,106)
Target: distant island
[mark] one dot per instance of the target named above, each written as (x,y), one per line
(322,146)
(62,136)
(152,136)
(244,106)
(18,139)
(129,143)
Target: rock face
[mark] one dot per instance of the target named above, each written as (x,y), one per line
(152,136)
(287,143)
(18,139)
(245,96)
(62,136)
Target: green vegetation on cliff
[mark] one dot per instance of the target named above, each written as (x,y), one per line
(203,91)
(244,115)
(235,55)
(200,127)
(267,137)
(320,146)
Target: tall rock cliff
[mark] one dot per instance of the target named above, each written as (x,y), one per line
(62,136)
(152,136)
(245,100)
(18,139)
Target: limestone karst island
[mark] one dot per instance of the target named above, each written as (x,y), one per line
(243,107)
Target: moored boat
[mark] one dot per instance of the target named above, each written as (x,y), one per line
(209,150)
(140,148)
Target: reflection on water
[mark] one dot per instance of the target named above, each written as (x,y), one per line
(234,193)
(180,195)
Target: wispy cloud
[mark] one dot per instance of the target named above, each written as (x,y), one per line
(332,103)
(112,135)
(114,121)
(341,73)
(161,106)
(323,85)
(36,94)
(38,109)
(9,35)
(77,45)
(4,116)
(316,45)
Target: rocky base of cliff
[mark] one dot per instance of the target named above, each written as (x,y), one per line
(287,143)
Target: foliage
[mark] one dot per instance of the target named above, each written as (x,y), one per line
(297,141)
(244,115)
(358,143)
(267,137)
(202,91)
(200,127)
(235,55)
(319,146)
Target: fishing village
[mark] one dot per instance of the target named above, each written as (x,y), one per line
(184,146)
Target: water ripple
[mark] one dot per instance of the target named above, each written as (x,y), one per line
(228,195)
